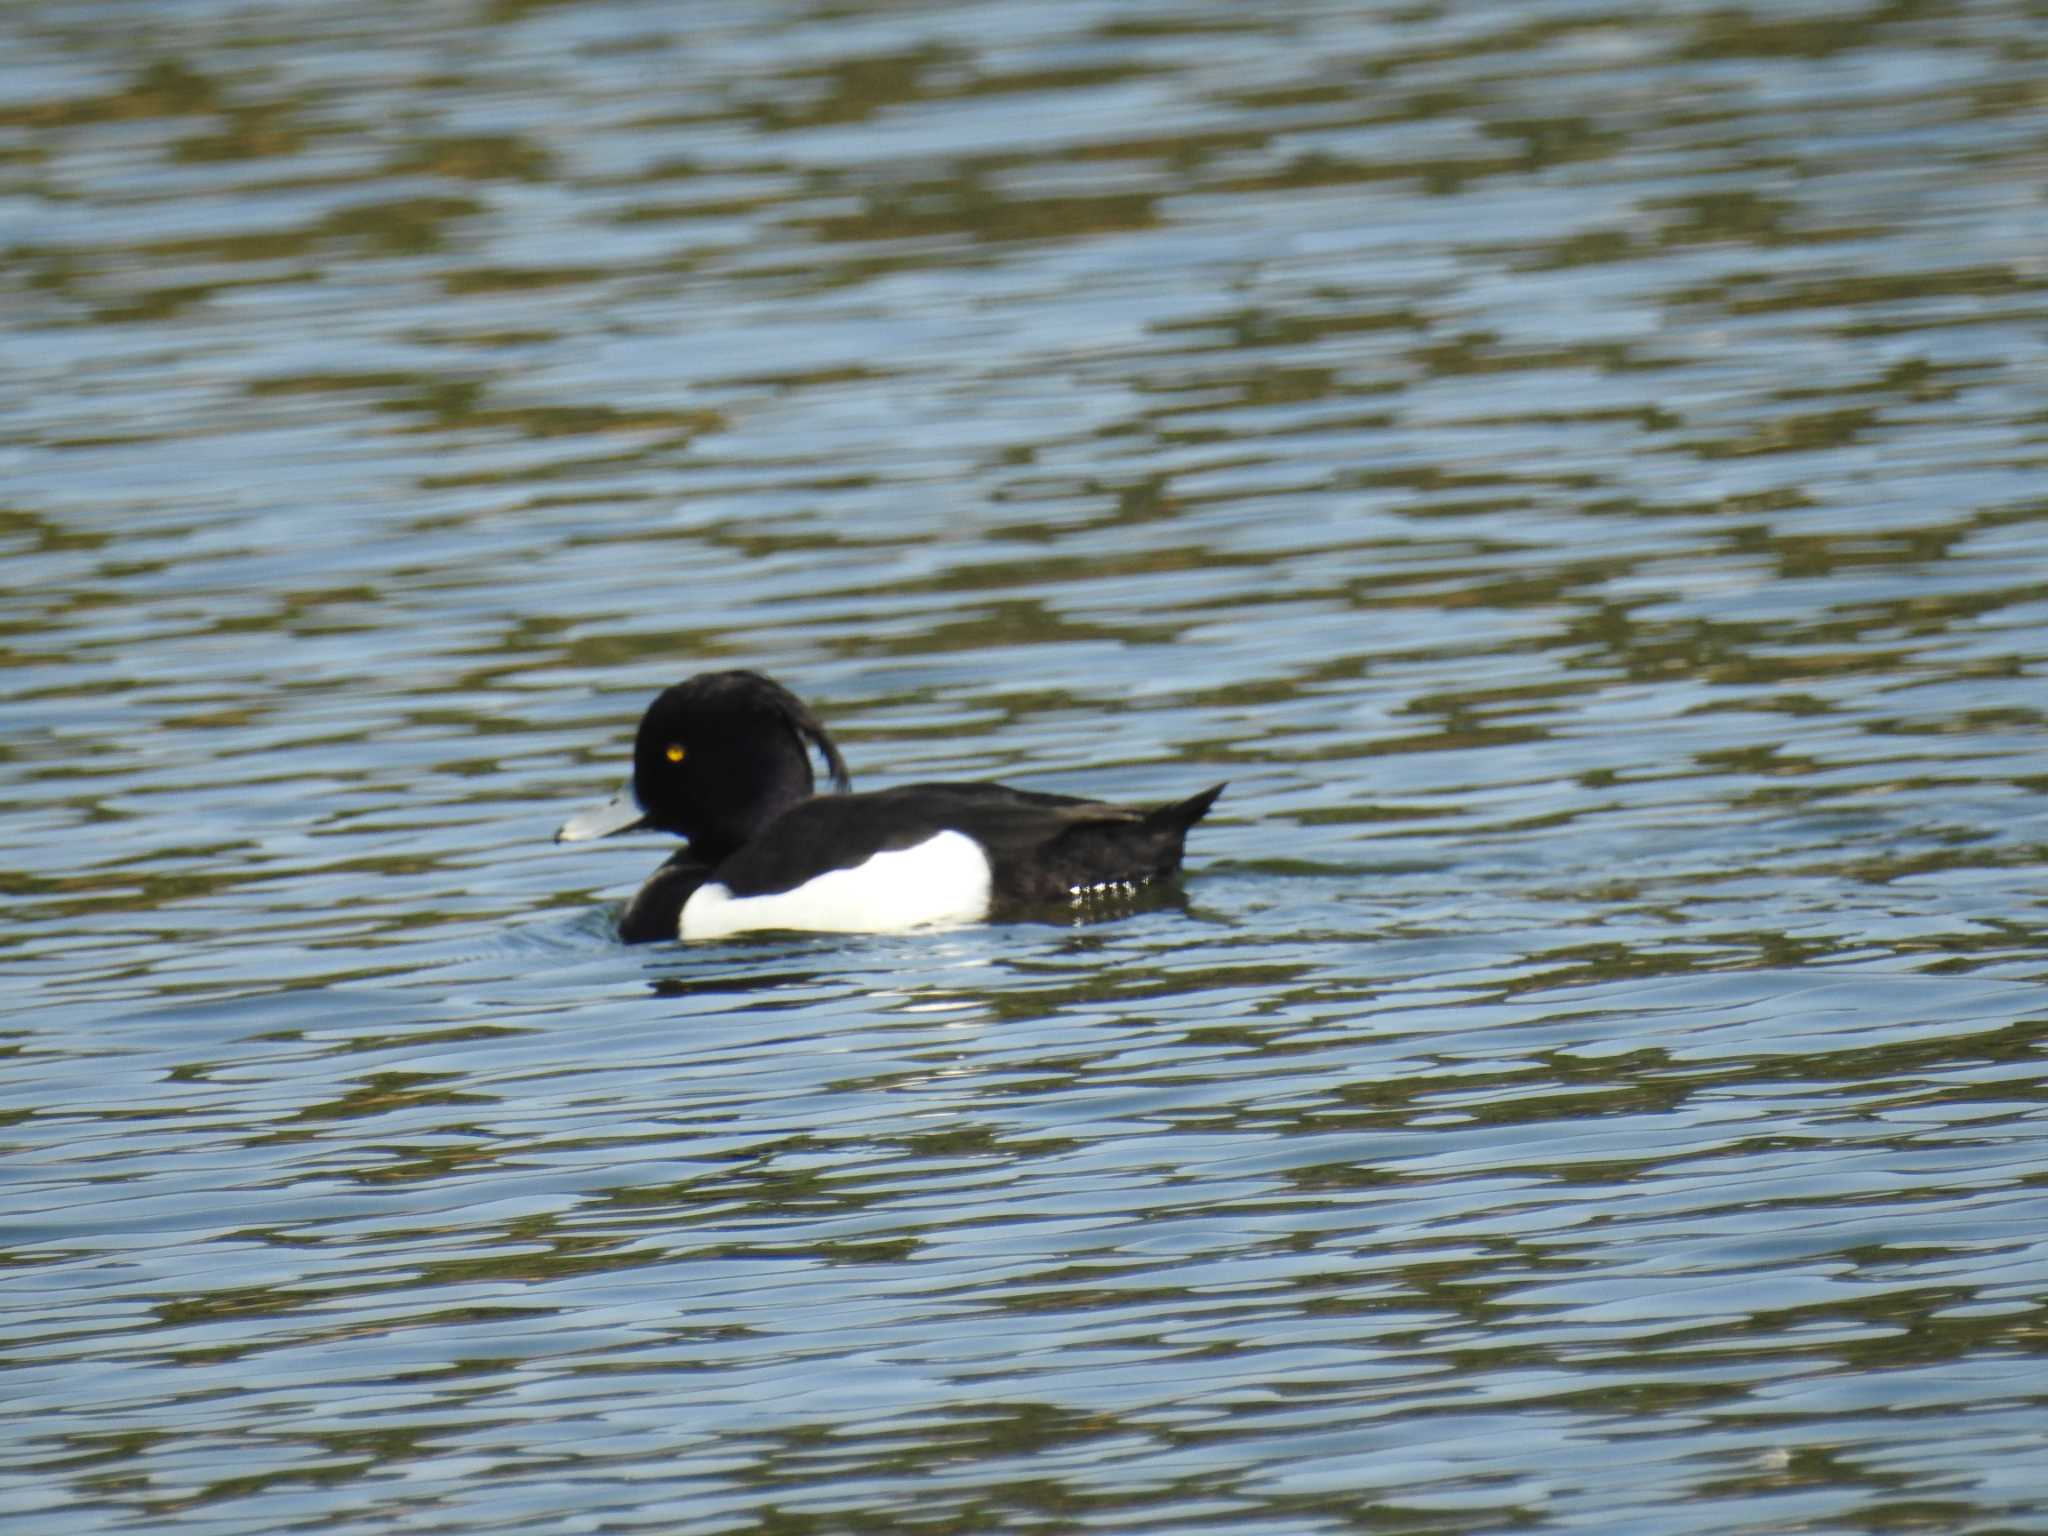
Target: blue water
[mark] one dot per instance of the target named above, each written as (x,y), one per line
(1576,473)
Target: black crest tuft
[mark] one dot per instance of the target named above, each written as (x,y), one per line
(741,687)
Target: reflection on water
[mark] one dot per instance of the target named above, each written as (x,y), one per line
(1578,475)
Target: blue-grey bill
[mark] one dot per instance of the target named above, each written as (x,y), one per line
(621,813)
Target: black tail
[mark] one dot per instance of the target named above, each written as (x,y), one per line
(1162,832)
(1182,814)
(1105,849)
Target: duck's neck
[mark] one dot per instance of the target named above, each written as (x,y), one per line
(761,787)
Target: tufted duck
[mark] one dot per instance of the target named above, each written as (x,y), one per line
(723,761)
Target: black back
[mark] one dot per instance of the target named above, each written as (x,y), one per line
(1040,847)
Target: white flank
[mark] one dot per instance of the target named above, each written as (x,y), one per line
(944,879)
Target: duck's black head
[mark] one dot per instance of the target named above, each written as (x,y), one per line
(717,758)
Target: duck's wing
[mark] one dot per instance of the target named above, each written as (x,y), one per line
(1039,846)
(1044,847)
(834,832)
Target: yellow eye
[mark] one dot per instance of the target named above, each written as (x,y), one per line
(675,752)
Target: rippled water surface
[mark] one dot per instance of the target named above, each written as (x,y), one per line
(1577,471)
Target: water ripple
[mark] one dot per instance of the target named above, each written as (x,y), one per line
(1574,473)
